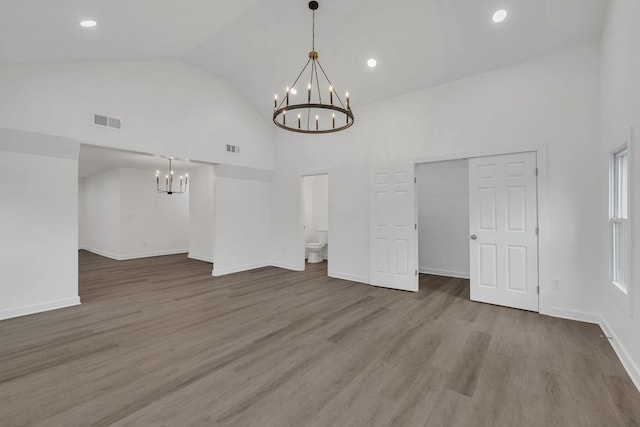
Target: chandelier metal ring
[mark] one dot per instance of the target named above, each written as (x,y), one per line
(282,112)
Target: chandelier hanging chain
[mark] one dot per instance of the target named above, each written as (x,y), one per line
(313,31)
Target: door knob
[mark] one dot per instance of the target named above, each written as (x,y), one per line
(474,237)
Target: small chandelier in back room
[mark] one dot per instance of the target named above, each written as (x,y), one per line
(168,182)
(314,116)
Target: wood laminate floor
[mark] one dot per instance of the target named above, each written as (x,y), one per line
(159,342)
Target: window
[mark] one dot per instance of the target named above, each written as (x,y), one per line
(619,219)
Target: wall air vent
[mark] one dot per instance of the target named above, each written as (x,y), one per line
(105,121)
(233,149)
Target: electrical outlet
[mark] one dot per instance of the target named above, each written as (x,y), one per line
(556,285)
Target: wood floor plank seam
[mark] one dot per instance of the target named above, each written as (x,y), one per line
(159,341)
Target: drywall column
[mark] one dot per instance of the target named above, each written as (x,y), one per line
(38,223)
(242,220)
(201,214)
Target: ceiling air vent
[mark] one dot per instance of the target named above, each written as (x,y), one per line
(233,149)
(105,121)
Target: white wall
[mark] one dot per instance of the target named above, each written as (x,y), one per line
(443,218)
(126,218)
(81,214)
(620,110)
(201,214)
(320,195)
(100,203)
(242,219)
(38,223)
(316,201)
(552,101)
(307,208)
(167,106)
(151,223)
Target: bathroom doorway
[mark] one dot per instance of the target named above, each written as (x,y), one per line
(315,219)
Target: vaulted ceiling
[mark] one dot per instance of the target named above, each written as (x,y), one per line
(259,46)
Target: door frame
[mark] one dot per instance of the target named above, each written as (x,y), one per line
(544,237)
(301,239)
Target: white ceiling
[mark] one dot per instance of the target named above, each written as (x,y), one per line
(97,159)
(259,46)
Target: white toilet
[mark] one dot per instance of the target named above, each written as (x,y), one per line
(315,249)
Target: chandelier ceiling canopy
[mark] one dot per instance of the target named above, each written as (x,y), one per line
(316,115)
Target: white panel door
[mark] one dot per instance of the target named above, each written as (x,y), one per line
(503,227)
(393,236)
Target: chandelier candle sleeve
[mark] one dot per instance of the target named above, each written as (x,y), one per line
(331,95)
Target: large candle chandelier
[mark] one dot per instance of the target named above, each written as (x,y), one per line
(314,116)
(168,182)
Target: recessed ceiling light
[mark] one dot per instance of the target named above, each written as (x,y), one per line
(88,23)
(499,15)
(372,63)
(293,91)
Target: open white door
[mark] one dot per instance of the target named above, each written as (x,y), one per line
(393,235)
(503,227)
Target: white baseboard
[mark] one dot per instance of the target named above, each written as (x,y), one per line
(136,256)
(571,315)
(627,362)
(102,253)
(231,270)
(287,266)
(152,254)
(350,277)
(447,273)
(38,308)
(200,257)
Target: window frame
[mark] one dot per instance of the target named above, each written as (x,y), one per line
(620,265)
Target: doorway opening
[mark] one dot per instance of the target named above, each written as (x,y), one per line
(315,219)
(478,219)
(122,215)
(442,196)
